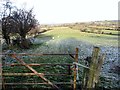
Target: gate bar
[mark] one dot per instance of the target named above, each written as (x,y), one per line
(25,54)
(35,72)
(31,74)
(41,64)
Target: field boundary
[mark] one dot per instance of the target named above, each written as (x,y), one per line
(41,75)
(90,73)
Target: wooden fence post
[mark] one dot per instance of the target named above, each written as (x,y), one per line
(99,66)
(93,65)
(91,75)
(75,69)
(84,78)
(3,83)
(69,70)
(2,79)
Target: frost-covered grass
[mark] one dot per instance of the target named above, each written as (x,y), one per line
(65,40)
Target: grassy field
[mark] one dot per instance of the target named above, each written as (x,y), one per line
(61,33)
(65,40)
(62,40)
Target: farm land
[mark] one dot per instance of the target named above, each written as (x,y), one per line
(64,38)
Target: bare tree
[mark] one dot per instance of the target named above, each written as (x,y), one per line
(19,21)
(26,22)
(7,22)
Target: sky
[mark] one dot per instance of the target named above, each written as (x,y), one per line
(68,11)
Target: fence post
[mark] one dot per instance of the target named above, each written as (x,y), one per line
(3,84)
(84,78)
(93,68)
(99,66)
(75,69)
(69,70)
(91,75)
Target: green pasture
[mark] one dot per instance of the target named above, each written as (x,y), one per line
(62,33)
(58,40)
(111,31)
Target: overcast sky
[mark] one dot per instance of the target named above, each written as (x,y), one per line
(66,11)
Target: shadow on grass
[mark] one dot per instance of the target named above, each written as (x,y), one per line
(41,39)
(35,43)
